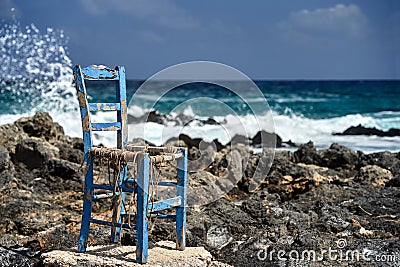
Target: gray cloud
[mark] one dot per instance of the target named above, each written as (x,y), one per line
(340,20)
(164,13)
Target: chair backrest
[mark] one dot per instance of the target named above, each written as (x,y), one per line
(120,125)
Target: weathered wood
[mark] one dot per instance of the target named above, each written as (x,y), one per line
(143,195)
(105,126)
(87,140)
(102,222)
(129,156)
(104,106)
(181,190)
(166,183)
(164,158)
(102,196)
(122,134)
(103,186)
(87,209)
(100,72)
(122,155)
(156,149)
(165,204)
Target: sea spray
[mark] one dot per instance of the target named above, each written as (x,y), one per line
(36,75)
(35,70)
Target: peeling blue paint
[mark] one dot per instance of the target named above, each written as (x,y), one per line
(124,185)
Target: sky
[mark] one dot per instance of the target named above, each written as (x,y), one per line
(269,39)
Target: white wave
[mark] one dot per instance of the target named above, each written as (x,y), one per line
(229,126)
(136,111)
(301,130)
(298,129)
(10,118)
(387,113)
(291,98)
(385,120)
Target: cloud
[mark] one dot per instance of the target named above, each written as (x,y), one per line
(340,20)
(164,13)
(151,37)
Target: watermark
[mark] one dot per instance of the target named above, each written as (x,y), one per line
(339,253)
(206,114)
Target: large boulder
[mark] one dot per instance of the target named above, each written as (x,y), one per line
(385,159)
(190,142)
(307,154)
(41,125)
(35,152)
(361,130)
(239,139)
(71,149)
(64,169)
(338,156)
(374,175)
(265,139)
(152,116)
(10,134)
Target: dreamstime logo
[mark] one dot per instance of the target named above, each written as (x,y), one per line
(236,157)
(341,243)
(339,253)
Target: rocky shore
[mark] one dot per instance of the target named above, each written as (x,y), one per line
(311,200)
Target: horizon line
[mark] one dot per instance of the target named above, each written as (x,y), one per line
(289,79)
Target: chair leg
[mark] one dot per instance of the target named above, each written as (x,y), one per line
(87,209)
(181,210)
(122,213)
(116,231)
(142,199)
(116,217)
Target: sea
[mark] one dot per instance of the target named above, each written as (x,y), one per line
(36,75)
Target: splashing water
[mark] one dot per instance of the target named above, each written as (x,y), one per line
(35,71)
(36,75)
(29,54)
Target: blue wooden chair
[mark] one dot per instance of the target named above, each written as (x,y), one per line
(125,153)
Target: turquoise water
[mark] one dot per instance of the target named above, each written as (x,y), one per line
(36,75)
(309,99)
